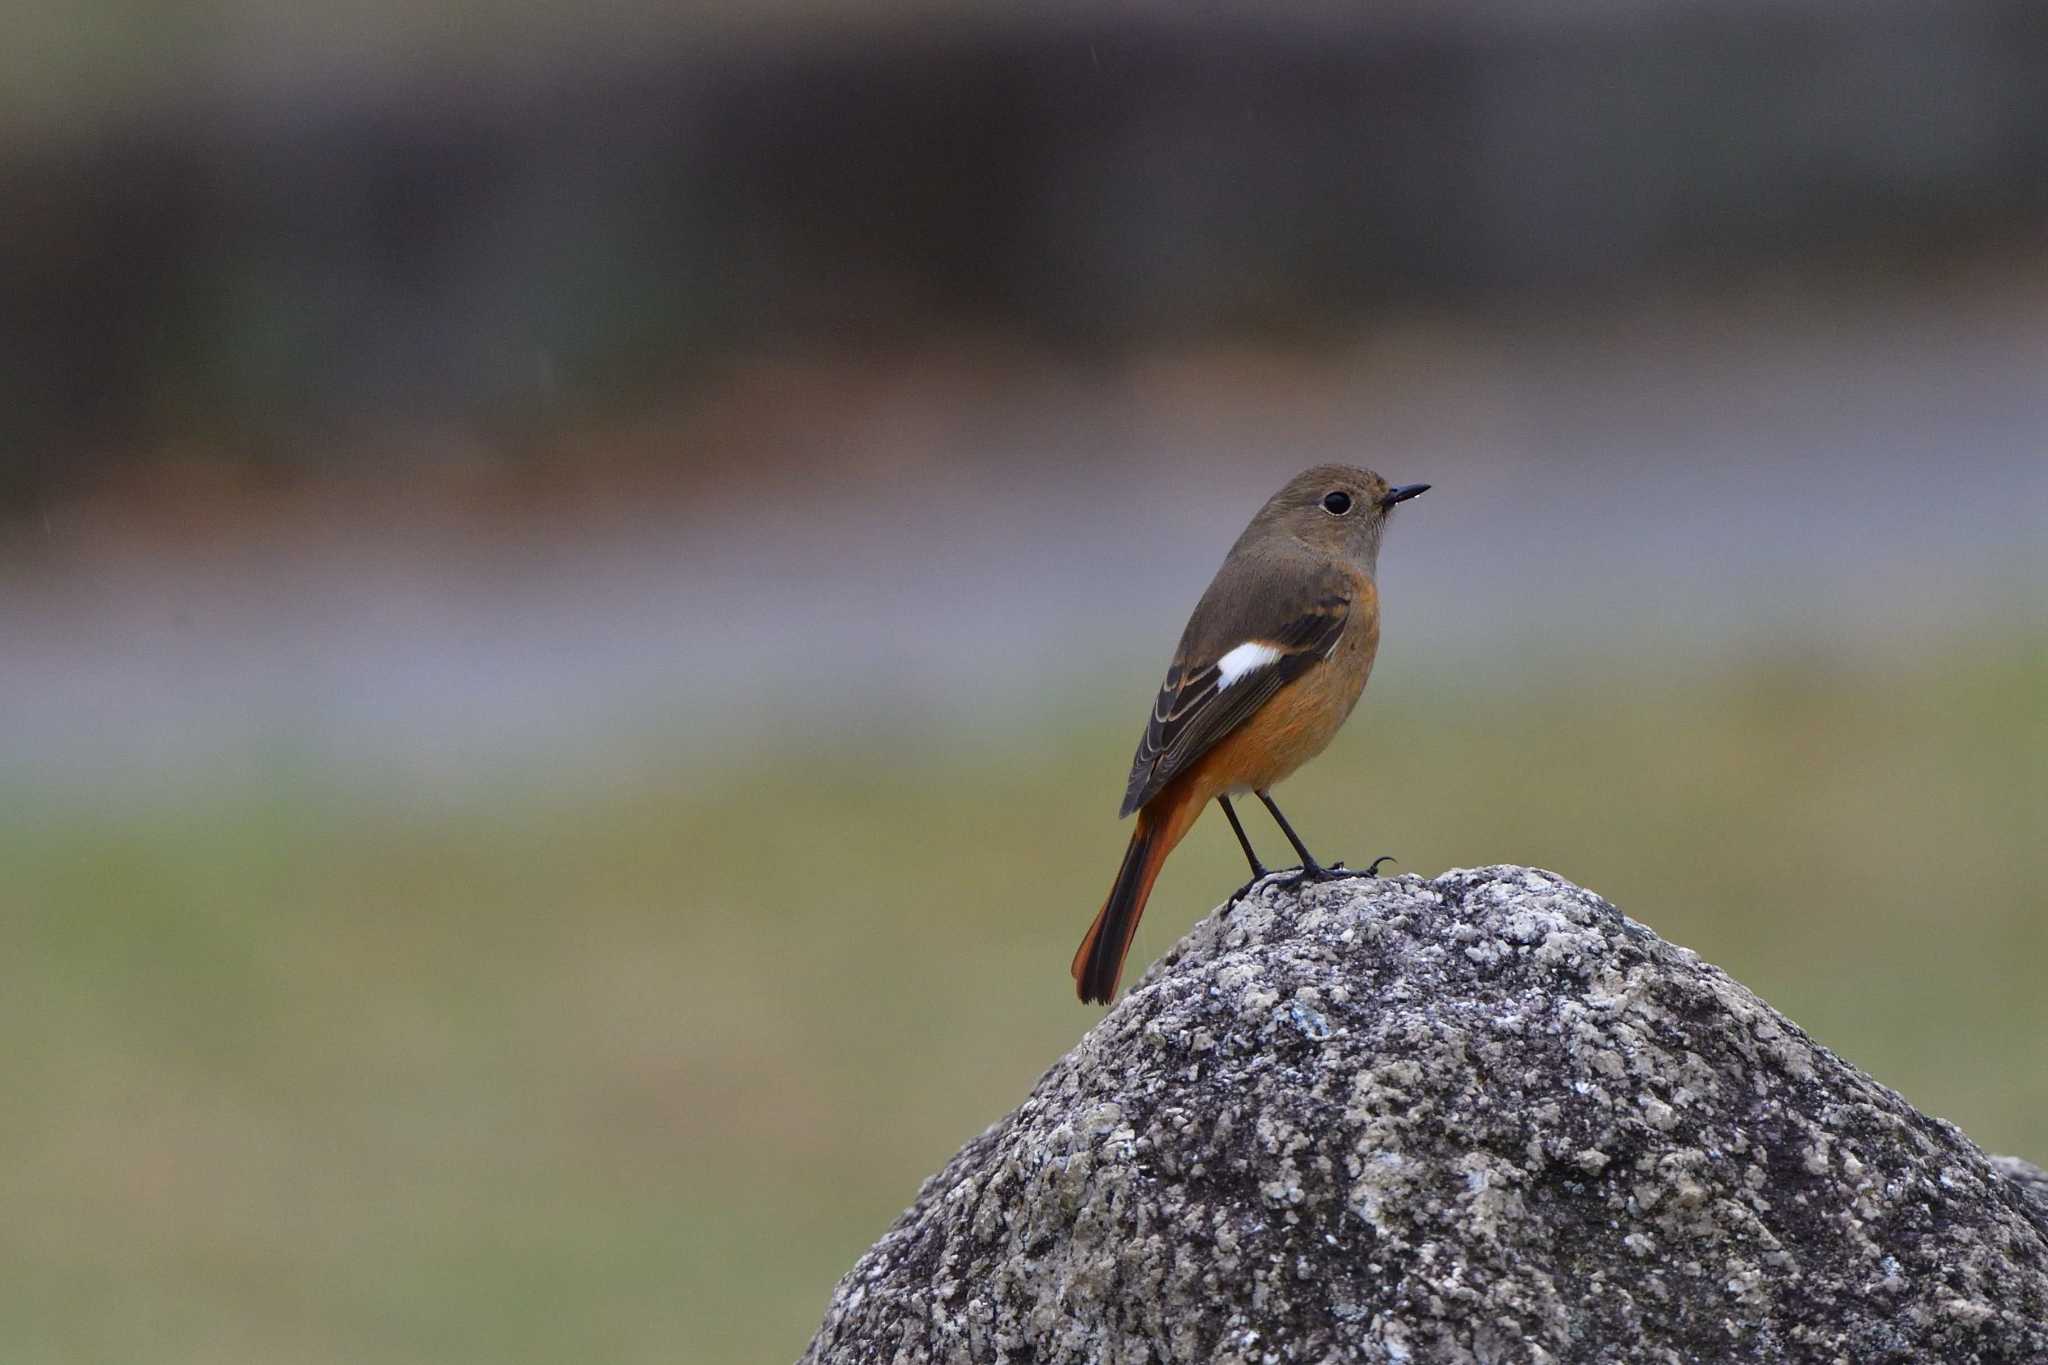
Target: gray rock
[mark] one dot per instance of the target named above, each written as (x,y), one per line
(1484,1118)
(2031,1180)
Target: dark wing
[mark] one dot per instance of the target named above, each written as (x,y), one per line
(1196,707)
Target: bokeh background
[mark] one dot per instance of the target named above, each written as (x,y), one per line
(576,588)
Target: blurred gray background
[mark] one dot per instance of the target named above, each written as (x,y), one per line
(586,343)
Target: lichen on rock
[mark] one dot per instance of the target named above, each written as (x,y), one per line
(1481,1118)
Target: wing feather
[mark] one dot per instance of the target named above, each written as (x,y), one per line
(1197,705)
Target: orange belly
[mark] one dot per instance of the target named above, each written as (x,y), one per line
(1297,723)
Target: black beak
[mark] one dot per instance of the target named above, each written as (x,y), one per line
(1403,493)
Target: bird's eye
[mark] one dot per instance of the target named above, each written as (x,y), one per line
(1337,504)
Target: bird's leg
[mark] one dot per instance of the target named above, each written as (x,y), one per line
(1310,869)
(1251,855)
(1259,872)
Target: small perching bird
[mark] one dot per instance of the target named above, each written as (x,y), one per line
(1272,661)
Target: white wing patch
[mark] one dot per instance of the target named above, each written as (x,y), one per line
(1246,659)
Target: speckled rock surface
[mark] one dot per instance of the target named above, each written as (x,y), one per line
(1483,1118)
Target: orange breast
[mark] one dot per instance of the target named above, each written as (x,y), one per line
(1301,718)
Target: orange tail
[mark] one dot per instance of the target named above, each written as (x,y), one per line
(1161,822)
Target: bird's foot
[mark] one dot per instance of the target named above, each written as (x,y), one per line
(1371,869)
(1316,872)
(1297,876)
(1260,875)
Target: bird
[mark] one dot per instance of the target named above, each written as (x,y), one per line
(1271,664)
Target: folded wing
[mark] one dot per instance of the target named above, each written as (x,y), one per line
(1236,654)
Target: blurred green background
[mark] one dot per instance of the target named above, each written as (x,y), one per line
(636,1073)
(575,599)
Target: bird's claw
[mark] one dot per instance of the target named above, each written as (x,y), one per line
(1336,871)
(1244,890)
(1313,872)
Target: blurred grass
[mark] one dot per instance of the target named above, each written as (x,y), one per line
(296,1075)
